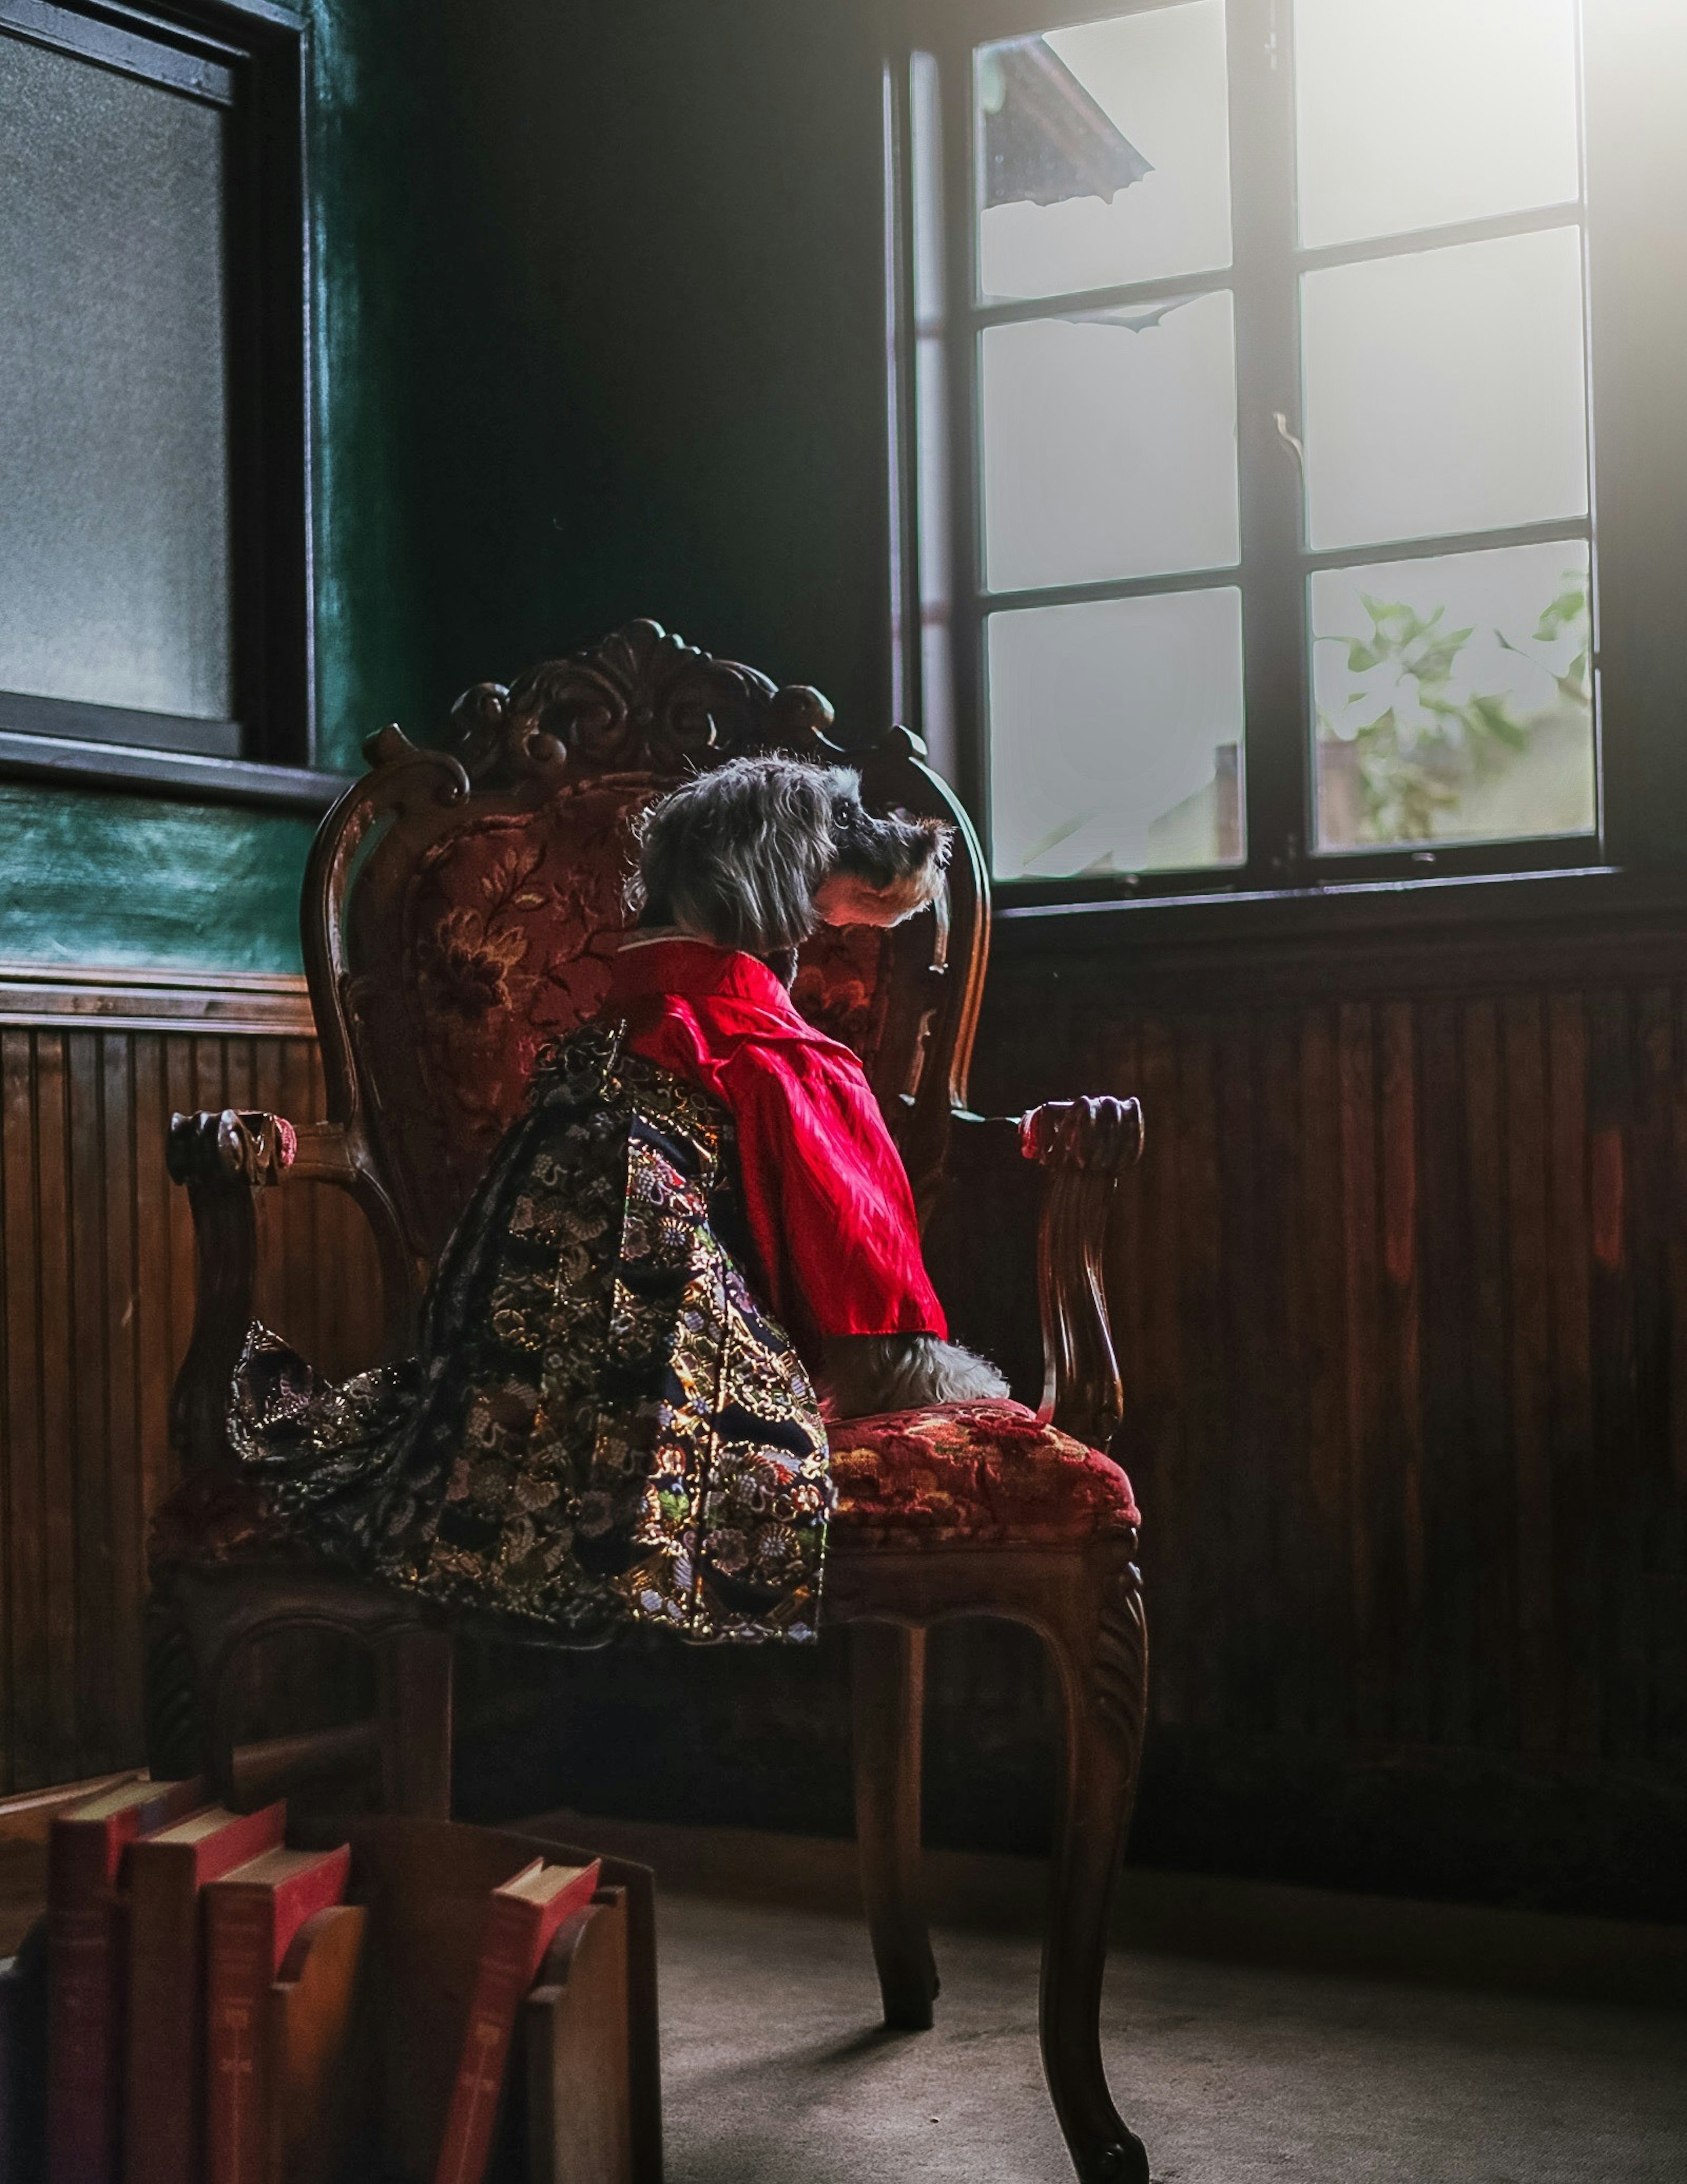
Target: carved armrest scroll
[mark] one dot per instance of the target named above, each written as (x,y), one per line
(239,1146)
(1101,1136)
(223,1158)
(1083,1146)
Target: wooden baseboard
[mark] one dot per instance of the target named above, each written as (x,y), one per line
(258,1003)
(1454,1945)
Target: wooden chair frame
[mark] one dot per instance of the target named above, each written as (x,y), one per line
(642,706)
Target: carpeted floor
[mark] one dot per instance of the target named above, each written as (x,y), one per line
(778,2073)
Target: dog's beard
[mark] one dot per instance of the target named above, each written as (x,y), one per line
(862,1374)
(851,899)
(887,869)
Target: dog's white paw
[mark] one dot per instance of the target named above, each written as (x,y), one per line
(865,1374)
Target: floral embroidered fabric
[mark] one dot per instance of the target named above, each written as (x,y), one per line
(601,1428)
(507,928)
(972,1475)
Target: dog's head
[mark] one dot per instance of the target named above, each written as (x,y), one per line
(758,852)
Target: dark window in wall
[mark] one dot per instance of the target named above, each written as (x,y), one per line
(1246,477)
(154,566)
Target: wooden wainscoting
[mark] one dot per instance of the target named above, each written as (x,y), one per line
(1401,1291)
(97,1302)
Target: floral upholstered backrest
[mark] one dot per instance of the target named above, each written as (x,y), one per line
(464,905)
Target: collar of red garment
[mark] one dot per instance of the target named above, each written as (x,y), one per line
(698,970)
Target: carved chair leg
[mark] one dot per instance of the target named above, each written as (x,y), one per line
(1101,1658)
(413,1672)
(888,1666)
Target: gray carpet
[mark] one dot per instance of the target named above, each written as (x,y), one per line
(777,2072)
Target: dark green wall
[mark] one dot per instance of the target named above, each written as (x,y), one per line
(96,878)
(598,332)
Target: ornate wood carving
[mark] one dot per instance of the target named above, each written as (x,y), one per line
(642,701)
(1084,1145)
(237,1145)
(1121,1671)
(223,1158)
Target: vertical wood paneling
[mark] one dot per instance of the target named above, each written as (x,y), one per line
(1405,1357)
(1528,1265)
(96,1306)
(26,1591)
(60,1456)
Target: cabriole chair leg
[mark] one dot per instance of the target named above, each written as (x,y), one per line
(1098,1647)
(888,1669)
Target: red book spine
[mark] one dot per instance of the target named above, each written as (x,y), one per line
(163,2113)
(84,2007)
(87,1978)
(513,1944)
(249,1925)
(240,1948)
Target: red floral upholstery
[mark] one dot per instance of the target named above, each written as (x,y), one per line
(841,987)
(511,925)
(972,1475)
(507,925)
(500,940)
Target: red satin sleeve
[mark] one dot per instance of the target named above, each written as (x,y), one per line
(826,1197)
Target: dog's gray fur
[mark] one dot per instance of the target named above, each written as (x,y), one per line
(740,855)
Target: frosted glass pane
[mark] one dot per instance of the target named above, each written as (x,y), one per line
(931,410)
(1109,445)
(113,469)
(1453,697)
(1413,117)
(1105,153)
(925,118)
(1446,391)
(1116,730)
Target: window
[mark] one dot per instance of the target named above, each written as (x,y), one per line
(154,562)
(1248,524)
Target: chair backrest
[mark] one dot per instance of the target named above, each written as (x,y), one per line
(462,906)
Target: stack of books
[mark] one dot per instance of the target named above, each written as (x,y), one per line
(219,2012)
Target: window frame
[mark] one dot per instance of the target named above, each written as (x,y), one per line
(249,57)
(1275,563)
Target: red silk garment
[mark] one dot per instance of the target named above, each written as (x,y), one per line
(825,1196)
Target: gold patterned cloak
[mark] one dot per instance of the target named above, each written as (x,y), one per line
(602,1428)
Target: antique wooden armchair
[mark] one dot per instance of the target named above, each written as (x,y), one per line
(461,908)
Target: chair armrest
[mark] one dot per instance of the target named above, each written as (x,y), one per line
(1083,1146)
(223,1159)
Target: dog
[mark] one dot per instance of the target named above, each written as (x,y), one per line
(755,855)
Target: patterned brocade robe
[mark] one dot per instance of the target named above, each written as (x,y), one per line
(602,1429)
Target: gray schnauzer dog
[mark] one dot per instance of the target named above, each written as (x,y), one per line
(756,855)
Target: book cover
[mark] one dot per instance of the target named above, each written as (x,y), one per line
(318,2069)
(163,2104)
(86,1969)
(251,1917)
(23,2059)
(578,2105)
(522,1918)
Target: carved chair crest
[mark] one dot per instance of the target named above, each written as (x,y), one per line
(462,905)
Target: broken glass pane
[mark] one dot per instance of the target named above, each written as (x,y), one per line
(1104,153)
(1110,444)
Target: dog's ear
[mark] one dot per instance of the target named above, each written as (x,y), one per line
(735,856)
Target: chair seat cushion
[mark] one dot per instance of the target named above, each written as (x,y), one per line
(972,1475)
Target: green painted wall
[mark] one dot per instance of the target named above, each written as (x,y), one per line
(96,878)
(597,333)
